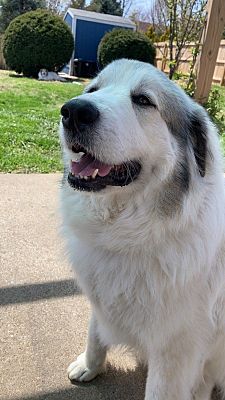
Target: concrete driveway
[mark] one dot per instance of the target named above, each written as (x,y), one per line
(43,315)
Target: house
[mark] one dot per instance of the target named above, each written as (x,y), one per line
(88,29)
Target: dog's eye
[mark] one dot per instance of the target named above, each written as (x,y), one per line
(142,100)
(91,90)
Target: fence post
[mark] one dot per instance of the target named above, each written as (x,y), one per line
(223,77)
(210,47)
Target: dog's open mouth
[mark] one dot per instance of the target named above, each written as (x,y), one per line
(90,174)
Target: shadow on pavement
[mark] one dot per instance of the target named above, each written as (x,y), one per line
(37,291)
(116,384)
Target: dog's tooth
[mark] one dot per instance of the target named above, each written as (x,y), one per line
(86,178)
(95,173)
(81,176)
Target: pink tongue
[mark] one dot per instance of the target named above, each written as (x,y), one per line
(87,165)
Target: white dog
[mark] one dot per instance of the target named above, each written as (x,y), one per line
(143,207)
(45,75)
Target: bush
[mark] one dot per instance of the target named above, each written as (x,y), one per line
(125,43)
(36,40)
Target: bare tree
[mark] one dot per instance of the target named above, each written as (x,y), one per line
(185,21)
(126,6)
(81,4)
(56,6)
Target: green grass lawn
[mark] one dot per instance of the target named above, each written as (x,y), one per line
(29,119)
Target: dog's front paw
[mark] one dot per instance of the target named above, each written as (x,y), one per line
(79,371)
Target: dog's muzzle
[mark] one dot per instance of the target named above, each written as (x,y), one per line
(79,114)
(86,171)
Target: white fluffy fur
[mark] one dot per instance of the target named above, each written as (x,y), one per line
(156,281)
(45,75)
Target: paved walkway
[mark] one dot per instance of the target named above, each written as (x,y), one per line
(43,315)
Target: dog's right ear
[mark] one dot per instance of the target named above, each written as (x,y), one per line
(198,138)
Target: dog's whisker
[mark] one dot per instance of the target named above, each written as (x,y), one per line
(128,172)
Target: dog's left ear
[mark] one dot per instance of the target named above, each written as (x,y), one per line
(198,136)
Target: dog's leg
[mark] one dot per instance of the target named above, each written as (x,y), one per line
(92,362)
(172,373)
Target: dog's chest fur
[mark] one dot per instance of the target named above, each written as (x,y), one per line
(118,291)
(133,299)
(129,286)
(147,279)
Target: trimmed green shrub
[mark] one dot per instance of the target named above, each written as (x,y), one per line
(36,40)
(125,43)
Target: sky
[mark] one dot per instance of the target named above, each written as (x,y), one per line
(140,4)
(136,5)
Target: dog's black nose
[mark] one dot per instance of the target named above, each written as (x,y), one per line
(78,114)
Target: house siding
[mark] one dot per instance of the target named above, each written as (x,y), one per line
(69,20)
(87,38)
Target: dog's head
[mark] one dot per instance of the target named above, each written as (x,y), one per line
(43,72)
(132,126)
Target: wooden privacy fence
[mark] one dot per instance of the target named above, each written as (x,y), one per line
(162,60)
